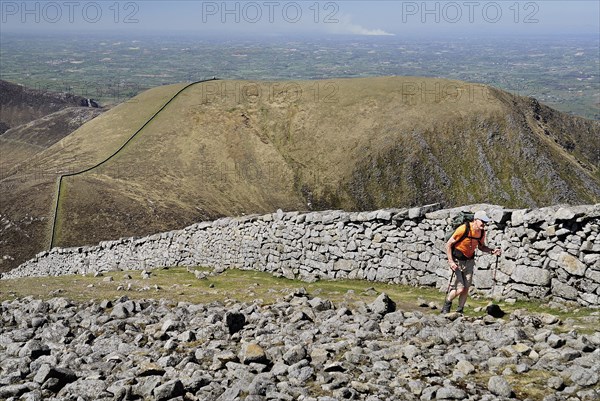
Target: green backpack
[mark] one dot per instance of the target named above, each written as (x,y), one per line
(458,220)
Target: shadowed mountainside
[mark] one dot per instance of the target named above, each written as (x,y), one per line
(20,105)
(232,147)
(33,120)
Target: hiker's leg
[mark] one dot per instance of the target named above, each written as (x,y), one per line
(455,283)
(460,281)
(467,279)
(451,294)
(462,299)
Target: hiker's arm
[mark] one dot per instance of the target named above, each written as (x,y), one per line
(449,245)
(484,248)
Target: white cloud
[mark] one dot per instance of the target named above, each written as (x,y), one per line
(359,30)
(346,26)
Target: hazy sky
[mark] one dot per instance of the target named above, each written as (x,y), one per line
(319,17)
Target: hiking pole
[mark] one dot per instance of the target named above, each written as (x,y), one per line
(494,276)
(492,309)
(449,285)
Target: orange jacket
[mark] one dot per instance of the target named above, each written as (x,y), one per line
(470,243)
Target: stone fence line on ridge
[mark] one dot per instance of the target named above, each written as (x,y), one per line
(548,253)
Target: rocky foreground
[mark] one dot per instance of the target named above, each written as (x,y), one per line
(299,348)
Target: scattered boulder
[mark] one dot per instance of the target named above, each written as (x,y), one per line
(382,305)
(499,386)
(252,353)
(260,352)
(169,390)
(54,378)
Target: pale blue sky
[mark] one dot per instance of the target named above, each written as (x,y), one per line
(318,17)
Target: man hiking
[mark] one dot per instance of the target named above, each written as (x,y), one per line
(460,250)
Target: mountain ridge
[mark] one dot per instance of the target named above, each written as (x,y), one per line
(239,147)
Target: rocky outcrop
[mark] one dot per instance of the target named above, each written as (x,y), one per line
(298,348)
(547,253)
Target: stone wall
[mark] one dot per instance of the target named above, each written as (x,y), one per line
(547,253)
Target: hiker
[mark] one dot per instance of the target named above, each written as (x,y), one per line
(460,250)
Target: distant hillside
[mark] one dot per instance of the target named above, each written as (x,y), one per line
(20,105)
(232,147)
(24,141)
(32,120)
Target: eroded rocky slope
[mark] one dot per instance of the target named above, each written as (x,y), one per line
(299,348)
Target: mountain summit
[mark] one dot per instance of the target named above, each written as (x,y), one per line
(238,147)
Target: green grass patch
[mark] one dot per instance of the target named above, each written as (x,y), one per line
(178,284)
(531,385)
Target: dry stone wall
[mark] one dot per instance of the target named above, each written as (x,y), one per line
(547,253)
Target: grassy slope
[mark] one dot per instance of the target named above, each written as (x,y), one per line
(28,195)
(246,154)
(232,147)
(13,152)
(22,143)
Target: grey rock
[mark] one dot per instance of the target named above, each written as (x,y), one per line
(564,214)
(61,376)
(556,383)
(38,321)
(34,349)
(532,275)
(123,310)
(234,391)
(410,351)
(563,290)
(416,387)
(261,384)
(13,390)
(450,393)
(583,377)
(300,373)
(498,385)
(382,305)
(279,369)
(319,304)
(571,264)
(195,383)
(88,389)
(150,369)
(518,217)
(428,393)
(145,386)
(252,353)
(170,325)
(295,354)
(555,341)
(171,389)
(464,368)
(35,395)
(120,389)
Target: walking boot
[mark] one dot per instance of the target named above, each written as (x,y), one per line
(446,307)
(460,310)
